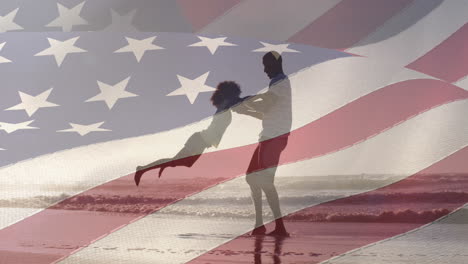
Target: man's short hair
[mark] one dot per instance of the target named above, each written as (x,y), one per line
(227,90)
(273,57)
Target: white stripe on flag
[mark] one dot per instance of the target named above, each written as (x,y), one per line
(167,238)
(418,39)
(463,83)
(324,88)
(268,19)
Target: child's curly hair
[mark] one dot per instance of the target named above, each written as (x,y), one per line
(225,90)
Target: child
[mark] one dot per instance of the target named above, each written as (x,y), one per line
(226,95)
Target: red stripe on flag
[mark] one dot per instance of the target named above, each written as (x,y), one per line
(348,22)
(76,222)
(202,12)
(336,227)
(449,60)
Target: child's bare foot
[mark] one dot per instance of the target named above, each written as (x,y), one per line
(139,172)
(258,231)
(162,168)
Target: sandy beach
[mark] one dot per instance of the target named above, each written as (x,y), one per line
(183,240)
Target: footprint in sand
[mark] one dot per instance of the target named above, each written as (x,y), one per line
(135,249)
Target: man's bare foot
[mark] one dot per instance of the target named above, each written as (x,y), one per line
(278,233)
(139,172)
(259,231)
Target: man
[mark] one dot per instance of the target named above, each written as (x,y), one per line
(274,107)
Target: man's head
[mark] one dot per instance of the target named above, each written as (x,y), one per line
(225,91)
(273,64)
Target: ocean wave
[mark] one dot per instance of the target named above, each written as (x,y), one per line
(397,216)
(400,216)
(397,197)
(371,198)
(400,207)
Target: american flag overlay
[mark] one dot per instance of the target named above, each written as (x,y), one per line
(375,167)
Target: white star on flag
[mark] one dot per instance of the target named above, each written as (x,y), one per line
(83,130)
(121,23)
(6,22)
(280,48)
(31,103)
(60,49)
(3,59)
(212,43)
(68,17)
(139,47)
(11,127)
(191,88)
(110,94)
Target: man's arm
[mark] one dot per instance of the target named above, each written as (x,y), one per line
(243,109)
(261,102)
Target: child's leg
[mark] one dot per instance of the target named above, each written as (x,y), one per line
(187,156)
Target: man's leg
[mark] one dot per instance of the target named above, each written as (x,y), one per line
(273,200)
(256,193)
(269,154)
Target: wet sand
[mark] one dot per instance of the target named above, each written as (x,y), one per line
(308,243)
